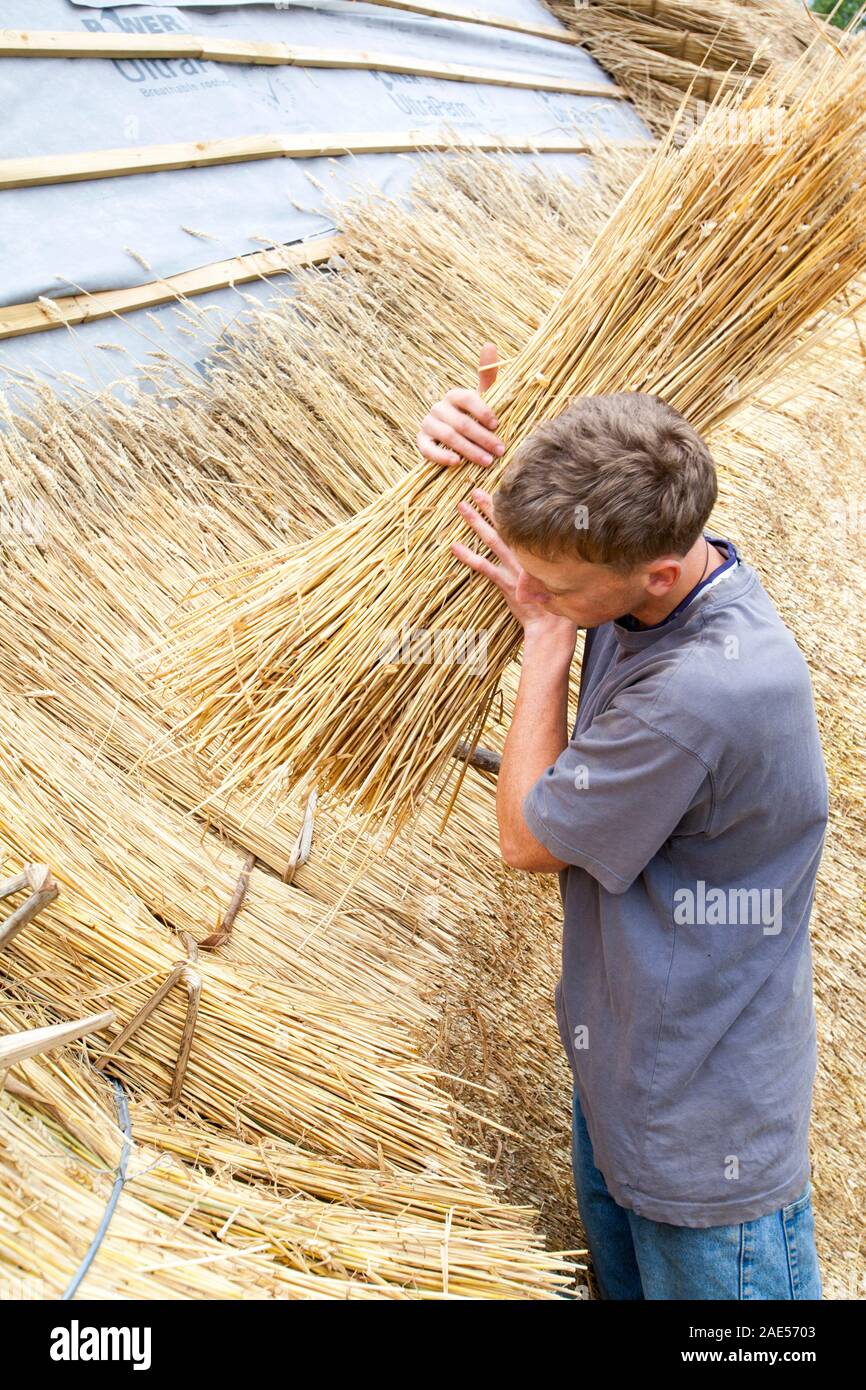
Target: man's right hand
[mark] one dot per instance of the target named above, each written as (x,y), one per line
(461,427)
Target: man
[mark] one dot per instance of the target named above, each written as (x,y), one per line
(685,817)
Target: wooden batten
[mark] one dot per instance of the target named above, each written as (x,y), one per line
(60,44)
(191,154)
(69,310)
(22,43)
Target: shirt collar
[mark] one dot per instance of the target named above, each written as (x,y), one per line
(629,625)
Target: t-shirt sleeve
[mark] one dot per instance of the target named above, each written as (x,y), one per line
(614,796)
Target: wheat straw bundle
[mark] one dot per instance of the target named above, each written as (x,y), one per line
(672,57)
(332,374)
(51,1203)
(70,621)
(62,649)
(63,653)
(717,36)
(56,1176)
(286,1168)
(728,32)
(698,290)
(187,877)
(75,618)
(406,1255)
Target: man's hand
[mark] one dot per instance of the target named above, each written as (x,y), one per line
(461,427)
(533,614)
(538,728)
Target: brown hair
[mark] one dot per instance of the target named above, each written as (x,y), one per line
(616,480)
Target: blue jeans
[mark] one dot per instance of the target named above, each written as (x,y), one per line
(771,1258)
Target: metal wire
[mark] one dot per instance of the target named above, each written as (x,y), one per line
(122,1105)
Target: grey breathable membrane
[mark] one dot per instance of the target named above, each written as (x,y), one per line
(112,233)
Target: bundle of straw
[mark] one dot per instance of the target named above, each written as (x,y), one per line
(672,57)
(187,877)
(699,289)
(331,374)
(64,642)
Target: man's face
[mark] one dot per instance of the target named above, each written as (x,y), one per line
(590,594)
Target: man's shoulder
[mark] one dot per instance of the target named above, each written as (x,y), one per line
(731,683)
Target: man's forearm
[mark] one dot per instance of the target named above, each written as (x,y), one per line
(538,734)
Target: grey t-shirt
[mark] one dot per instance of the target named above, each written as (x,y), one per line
(690,805)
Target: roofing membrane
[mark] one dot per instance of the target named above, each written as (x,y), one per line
(111,233)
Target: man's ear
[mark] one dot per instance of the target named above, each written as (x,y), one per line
(663,574)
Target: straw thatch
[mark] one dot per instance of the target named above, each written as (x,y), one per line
(190,1222)
(456,955)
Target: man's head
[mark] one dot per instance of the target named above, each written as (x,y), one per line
(602,505)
